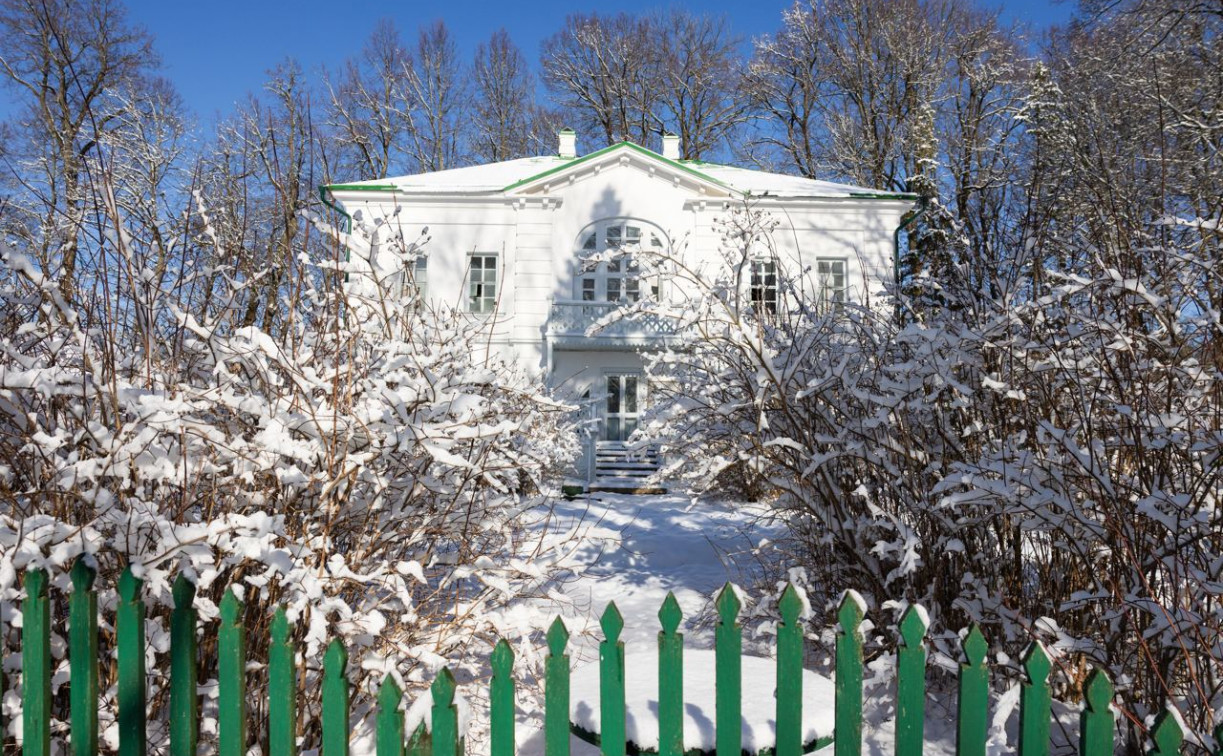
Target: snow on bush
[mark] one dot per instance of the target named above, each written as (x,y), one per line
(1047,464)
(372,466)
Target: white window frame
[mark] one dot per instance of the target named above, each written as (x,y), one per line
(479,300)
(764,296)
(623,414)
(416,279)
(829,293)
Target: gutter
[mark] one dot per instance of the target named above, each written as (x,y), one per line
(922,206)
(324,194)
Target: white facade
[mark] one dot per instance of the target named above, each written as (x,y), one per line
(508,243)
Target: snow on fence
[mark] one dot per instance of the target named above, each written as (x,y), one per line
(443,737)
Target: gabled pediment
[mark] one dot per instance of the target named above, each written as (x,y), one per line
(622,156)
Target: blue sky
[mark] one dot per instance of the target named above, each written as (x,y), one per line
(215,52)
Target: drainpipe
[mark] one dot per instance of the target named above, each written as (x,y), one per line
(922,206)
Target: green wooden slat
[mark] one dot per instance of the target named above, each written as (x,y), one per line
(231,665)
(1034,702)
(911,684)
(670,679)
(728,653)
(973,725)
(501,701)
(282,689)
(335,700)
(420,744)
(556,692)
(36,666)
(445,716)
(184,694)
(1166,736)
(129,626)
(390,719)
(848,685)
(611,684)
(83,659)
(790,675)
(1096,723)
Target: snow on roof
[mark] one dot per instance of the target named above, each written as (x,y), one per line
(496,177)
(491,177)
(777,184)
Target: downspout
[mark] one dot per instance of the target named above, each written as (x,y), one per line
(324,194)
(922,206)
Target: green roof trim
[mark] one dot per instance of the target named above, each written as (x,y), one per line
(885,195)
(359,187)
(610,148)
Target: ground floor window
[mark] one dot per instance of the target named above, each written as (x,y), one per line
(830,274)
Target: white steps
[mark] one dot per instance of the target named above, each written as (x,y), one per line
(623,469)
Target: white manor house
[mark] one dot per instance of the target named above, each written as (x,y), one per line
(510,242)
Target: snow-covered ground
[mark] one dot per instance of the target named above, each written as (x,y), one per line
(637,548)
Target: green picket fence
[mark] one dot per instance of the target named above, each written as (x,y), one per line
(444,739)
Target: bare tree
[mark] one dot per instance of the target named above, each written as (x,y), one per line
(782,84)
(697,64)
(502,111)
(599,69)
(69,63)
(367,107)
(437,85)
(267,158)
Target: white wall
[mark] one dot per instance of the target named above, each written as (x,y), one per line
(536,238)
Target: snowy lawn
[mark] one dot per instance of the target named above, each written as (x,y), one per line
(637,548)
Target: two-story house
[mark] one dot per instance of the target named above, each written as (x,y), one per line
(512,242)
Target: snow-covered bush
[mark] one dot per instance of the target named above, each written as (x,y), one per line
(1049,465)
(371,466)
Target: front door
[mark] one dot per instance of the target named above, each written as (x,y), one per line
(623,410)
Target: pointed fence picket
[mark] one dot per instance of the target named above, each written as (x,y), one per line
(443,738)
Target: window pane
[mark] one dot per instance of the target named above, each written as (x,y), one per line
(613,429)
(482,283)
(613,290)
(630,393)
(588,290)
(630,425)
(632,289)
(591,241)
(613,236)
(613,393)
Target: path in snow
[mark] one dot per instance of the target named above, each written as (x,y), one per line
(640,547)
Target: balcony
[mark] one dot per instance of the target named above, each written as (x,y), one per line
(570,326)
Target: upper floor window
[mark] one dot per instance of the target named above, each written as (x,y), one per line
(762,287)
(618,278)
(482,283)
(830,274)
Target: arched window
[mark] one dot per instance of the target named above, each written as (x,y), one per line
(618,276)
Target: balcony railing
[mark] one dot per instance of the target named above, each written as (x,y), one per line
(577,318)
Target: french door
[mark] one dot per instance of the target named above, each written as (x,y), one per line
(622,411)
